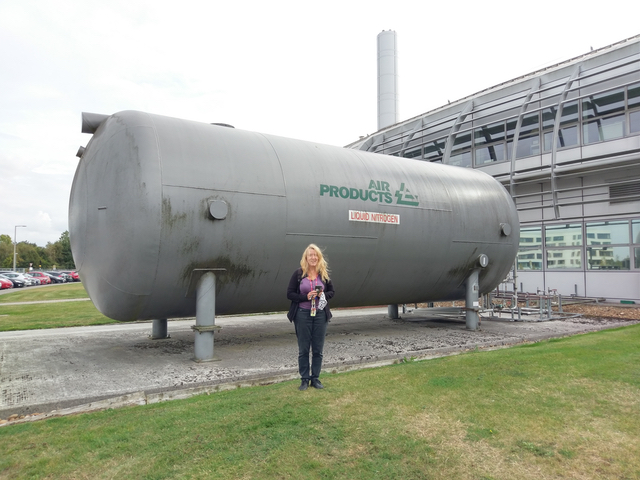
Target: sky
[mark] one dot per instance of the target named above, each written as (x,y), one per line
(295,69)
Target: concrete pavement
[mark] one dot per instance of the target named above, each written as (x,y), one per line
(65,370)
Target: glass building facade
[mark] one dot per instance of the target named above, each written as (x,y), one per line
(565,142)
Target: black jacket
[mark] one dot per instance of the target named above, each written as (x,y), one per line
(293,294)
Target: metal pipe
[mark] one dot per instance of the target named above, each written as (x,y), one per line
(91,121)
(15,243)
(205,318)
(159,329)
(471,299)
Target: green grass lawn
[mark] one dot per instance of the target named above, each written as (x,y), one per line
(49,315)
(61,291)
(565,408)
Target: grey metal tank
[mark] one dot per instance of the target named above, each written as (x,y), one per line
(156,201)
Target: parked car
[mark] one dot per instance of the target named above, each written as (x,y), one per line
(60,275)
(28,281)
(55,277)
(44,279)
(73,273)
(5,283)
(17,283)
(35,280)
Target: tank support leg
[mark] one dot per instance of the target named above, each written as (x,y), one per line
(392,311)
(472,300)
(205,318)
(159,329)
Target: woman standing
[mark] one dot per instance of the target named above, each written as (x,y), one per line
(309,290)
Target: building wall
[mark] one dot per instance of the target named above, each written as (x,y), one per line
(565,142)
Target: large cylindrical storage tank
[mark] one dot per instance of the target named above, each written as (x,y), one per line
(155,199)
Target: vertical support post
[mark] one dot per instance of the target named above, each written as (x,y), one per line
(392,311)
(559,303)
(205,317)
(159,329)
(472,300)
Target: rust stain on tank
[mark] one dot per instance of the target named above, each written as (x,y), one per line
(168,218)
(233,273)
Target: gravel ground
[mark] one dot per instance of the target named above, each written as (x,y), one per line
(628,312)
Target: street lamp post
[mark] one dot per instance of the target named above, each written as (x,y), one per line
(15,231)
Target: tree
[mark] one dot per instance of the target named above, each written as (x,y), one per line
(6,251)
(54,253)
(66,258)
(57,253)
(29,253)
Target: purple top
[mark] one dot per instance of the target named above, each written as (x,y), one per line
(306,286)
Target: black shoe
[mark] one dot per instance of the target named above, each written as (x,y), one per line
(304,385)
(315,383)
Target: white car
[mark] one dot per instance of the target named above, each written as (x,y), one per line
(34,280)
(28,281)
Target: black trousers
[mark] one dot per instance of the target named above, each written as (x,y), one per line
(310,332)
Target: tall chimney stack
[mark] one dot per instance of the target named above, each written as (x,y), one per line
(387,79)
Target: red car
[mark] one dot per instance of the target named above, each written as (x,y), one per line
(5,284)
(73,274)
(44,279)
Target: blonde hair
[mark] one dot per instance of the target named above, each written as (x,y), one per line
(323,266)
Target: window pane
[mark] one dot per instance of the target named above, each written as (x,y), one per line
(607,233)
(529,139)
(569,113)
(530,124)
(568,136)
(531,237)
(511,128)
(433,150)
(564,258)
(637,255)
(634,122)
(634,95)
(563,235)
(493,153)
(489,134)
(549,116)
(461,159)
(608,258)
(416,152)
(635,231)
(528,146)
(462,141)
(530,259)
(603,104)
(603,129)
(547,138)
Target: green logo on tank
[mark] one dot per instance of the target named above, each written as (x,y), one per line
(378,191)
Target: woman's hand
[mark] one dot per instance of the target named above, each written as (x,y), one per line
(312,294)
